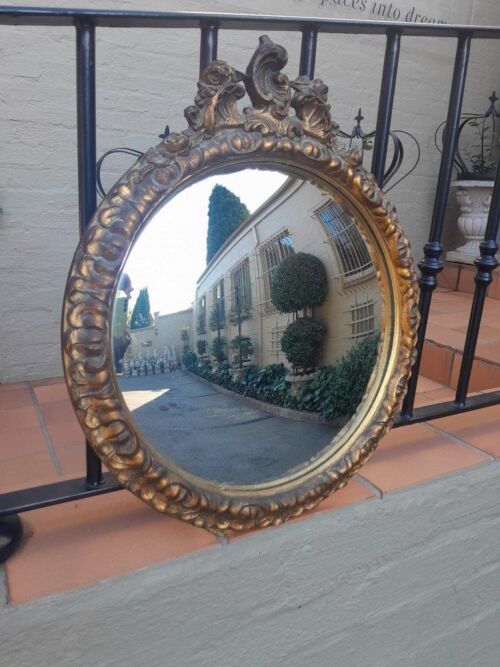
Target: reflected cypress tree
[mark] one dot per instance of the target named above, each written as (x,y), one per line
(226,212)
(141,315)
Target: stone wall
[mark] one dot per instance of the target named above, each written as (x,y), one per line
(145,79)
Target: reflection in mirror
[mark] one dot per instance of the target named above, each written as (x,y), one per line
(246,325)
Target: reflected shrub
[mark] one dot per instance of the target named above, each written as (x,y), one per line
(302,342)
(190,361)
(244,345)
(335,392)
(218,349)
(299,282)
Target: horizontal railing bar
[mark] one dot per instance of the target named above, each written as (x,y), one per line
(448,409)
(70,490)
(48,16)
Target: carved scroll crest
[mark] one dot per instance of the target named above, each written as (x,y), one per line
(272,95)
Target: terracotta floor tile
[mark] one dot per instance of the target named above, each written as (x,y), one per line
(466,281)
(436,396)
(17,398)
(483,376)
(46,381)
(494,288)
(449,320)
(65,434)
(480,428)
(436,362)
(26,471)
(13,386)
(414,454)
(16,442)
(57,411)
(425,384)
(448,278)
(449,338)
(18,418)
(51,392)
(487,332)
(77,544)
(72,460)
(489,351)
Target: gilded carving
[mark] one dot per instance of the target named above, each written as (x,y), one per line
(288,123)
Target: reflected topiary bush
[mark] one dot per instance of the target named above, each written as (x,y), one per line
(218,349)
(299,282)
(302,342)
(190,361)
(242,345)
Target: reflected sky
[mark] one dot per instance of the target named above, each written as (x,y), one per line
(170,254)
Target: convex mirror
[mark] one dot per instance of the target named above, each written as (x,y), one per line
(240,317)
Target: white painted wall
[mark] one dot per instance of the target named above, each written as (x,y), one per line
(145,79)
(411,580)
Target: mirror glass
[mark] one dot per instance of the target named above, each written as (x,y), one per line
(245,325)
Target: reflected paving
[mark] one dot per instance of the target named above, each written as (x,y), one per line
(214,436)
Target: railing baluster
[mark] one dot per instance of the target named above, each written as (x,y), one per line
(208,45)
(432,264)
(308,51)
(385,103)
(485,264)
(86,130)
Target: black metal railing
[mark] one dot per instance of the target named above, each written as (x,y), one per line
(87,21)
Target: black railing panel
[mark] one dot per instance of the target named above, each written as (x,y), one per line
(87,20)
(432,264)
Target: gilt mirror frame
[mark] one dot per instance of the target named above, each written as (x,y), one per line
(288,126)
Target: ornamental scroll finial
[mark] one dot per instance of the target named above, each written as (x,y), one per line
(215,104)
(271,93)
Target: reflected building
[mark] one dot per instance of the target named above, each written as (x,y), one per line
(163,336)
(235,288)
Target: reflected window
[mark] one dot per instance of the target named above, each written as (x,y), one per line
(241,289)
(348,242)
(272,253)
(201,314)
(362,320)
(219,303)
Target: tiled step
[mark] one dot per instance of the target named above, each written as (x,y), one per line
(460,277)
(445,338)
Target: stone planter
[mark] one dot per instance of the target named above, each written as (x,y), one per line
(474,198)
(296,381)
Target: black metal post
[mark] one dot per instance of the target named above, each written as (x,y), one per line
(11,530)
(432,264)
(208,45)
(385,104)
(86,129)
(485,264)
(308,51)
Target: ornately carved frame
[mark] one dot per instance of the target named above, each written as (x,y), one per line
(221,138)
